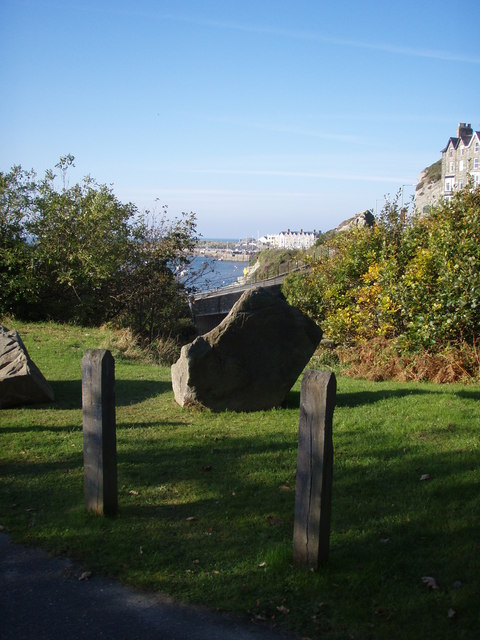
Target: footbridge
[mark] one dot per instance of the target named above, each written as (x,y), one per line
(209,308)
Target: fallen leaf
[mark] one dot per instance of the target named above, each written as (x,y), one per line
(430,582)
(133,493)
(190,518)
(451,613)
(85,575)
(284,487)
(283,609)
(140,551)
(261,617)
(196,561)
(262,565)
(425,476)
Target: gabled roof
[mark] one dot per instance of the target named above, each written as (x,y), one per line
(453,141)
(466,139)
(475,134)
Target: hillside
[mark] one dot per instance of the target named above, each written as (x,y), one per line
(429,188)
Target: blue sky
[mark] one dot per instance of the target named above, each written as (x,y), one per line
(257,115)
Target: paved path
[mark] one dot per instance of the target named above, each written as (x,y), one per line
(41,598)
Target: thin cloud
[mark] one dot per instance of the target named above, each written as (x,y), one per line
(336,41)
(298,131)
(308,174)
(434,54)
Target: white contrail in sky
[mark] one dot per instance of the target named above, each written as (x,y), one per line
(337,41)
(344,42)
(433,54)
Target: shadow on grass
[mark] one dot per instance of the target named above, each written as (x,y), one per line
(208,505)
(359,398)
(468,394)
(120,426)
(68,393)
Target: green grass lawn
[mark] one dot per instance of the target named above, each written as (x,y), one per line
(206,501)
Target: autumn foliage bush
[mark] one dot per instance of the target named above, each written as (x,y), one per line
(402,297)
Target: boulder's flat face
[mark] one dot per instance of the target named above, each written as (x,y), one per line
(21,381)
(251,360)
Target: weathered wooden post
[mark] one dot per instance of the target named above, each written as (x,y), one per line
(99,432)
(313,498)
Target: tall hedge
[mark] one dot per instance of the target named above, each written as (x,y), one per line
(415,279)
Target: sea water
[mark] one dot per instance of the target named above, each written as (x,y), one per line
(205,274)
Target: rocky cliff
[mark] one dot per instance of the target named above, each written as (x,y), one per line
(429,188)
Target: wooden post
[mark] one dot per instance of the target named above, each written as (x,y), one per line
(99,432)
(313,497)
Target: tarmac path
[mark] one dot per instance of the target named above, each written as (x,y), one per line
(42,598)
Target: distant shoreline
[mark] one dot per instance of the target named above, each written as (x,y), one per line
(232,255)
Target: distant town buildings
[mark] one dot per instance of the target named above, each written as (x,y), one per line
(461,160)
(290,239)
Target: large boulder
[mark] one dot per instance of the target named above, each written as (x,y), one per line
(21,381)
(251,360)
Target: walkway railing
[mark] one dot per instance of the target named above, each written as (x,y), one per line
(259,280)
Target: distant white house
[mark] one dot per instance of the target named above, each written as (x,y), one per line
(290,239)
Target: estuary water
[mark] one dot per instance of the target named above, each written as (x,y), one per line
(208,273)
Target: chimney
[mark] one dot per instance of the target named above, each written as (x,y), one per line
(464,129)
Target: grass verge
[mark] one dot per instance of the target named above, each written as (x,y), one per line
(206,501)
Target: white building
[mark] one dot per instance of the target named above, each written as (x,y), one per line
(290,239)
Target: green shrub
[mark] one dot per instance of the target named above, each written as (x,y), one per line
(78,254)
(415,280)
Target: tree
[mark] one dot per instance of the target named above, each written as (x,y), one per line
(148,297)
(87,257)
(81,238)
(16,194)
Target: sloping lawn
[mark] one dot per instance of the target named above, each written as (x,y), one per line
(206,501)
